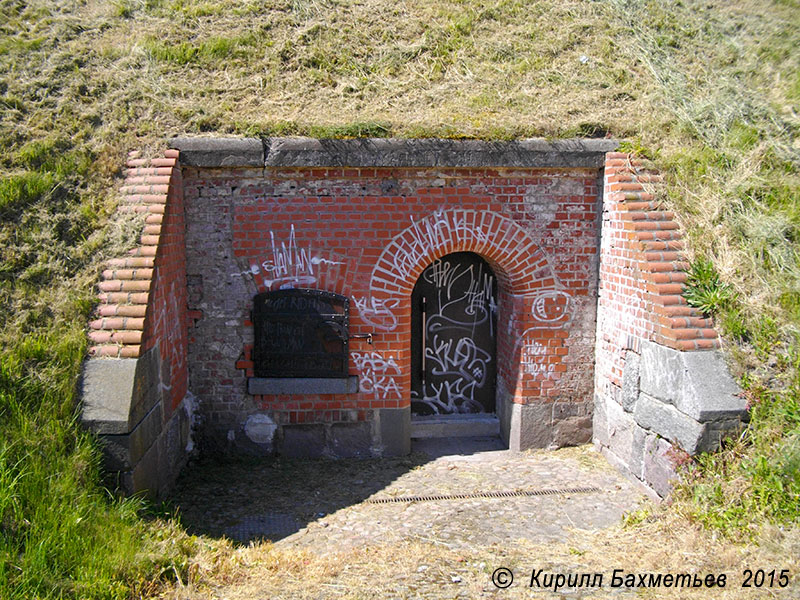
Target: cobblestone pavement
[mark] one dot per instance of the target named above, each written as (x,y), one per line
(333,542)
(320,505)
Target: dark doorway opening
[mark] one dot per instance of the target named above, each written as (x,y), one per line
(453,337)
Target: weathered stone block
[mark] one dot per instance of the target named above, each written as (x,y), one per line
(600,421)
(662,372)
(148,384)
(621,427)
(572,431)
(565,410)
(696,383)
(303,441)
(171,453)
(144,477)
(667,421)
(123,452)
(531,426)
(638,441)
(394,427)
(117,393)
(658,470)
(716,431)
(107,390)
(350,440)
(630,380)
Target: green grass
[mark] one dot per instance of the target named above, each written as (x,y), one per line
(704,289)
(203,52)
(61,535)
(710,91)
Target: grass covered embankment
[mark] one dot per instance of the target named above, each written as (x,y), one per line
(710,91)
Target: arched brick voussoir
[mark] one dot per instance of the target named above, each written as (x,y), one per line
(508,247)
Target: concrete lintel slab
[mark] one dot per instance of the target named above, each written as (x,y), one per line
(219,152)
(393,152)
(213,152)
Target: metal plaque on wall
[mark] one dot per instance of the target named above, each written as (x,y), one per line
(300,333)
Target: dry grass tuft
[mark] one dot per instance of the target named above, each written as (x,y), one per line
(426,570)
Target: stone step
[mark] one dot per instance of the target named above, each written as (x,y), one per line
(445,426)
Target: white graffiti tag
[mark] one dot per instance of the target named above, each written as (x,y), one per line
(377,374)
(378,312)
(550,309)
(434,234)
(466,311)
(460,308)
(289,264)
(533,361)
(460,368)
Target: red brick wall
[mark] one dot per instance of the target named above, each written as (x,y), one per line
(368,233)
(642,272)
(167,309)
(143,296)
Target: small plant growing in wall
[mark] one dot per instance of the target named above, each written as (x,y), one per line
(705,290)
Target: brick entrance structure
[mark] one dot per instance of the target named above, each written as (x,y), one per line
(363,219)
(367,232)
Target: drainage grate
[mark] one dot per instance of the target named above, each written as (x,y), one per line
(512,494)
(270,525)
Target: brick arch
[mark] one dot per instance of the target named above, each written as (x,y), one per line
(518,261)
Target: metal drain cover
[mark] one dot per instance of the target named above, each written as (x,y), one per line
(510,494)
(271,526)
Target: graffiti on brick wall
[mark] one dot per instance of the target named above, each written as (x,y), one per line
(377,374)
(426,238)
(378,312)
(288,264)
(550,309)
(477,299)
(534,356)
(168,328)
(511,328)
(431,234)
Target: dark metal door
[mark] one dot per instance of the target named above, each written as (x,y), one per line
(453,345)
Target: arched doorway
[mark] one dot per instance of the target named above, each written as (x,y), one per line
(453,337)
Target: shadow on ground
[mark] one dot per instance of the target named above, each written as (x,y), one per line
(272,498)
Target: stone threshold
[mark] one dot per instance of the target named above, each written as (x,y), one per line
(446,426)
